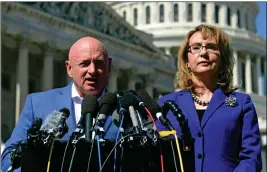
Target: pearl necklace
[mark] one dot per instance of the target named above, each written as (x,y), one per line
(200,102)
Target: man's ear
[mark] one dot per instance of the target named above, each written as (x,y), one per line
(68,68)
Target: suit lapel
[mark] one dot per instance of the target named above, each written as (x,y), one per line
(217,100)
(186,102)
(64,100)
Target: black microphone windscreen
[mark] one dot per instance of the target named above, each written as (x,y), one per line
(128,100)
(132,92)
(151,104)
(65,111)
(107,103)
(90,105)
(119,93)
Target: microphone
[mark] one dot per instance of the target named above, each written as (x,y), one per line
(128,101)
(89,110)
(107,106)
(55,123)
(62,127)
(154,108)
(33,133)
(185,132)
(119,95)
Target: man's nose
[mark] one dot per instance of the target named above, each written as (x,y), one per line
(92,68)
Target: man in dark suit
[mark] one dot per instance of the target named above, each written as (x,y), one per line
(89,67)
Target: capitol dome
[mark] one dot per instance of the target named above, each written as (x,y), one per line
(169,22)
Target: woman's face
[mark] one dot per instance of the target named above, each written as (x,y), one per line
(203,55)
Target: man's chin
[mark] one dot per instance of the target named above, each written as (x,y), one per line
(94,92)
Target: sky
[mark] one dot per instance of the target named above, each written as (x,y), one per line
(261,19)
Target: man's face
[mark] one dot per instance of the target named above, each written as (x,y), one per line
(89,69)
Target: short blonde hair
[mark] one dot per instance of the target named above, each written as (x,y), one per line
(183,78)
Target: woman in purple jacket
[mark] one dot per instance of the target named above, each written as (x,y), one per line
(223,123)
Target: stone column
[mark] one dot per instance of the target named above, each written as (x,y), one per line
(154,15)
(168,10)
(22,89)
(248,81)
(141,13)
(234,17)
(223,15)
(242,19)
(210,12)
(182,12)
(259,76)
(196,12)
(235,69)
(112,84)
(48,78)
(129,15)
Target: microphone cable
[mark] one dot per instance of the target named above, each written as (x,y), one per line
(173,132)
(65,151)
(50,153)
(174,157)
(98,151)
(90,155)
(160,145)
(140,120)
(117,137)
(114,149)
(122,149)
(72,157)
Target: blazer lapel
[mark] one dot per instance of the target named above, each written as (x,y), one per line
(186,102)
(64,100)
(217,100)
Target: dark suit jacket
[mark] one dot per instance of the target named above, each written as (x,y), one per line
(227,139)
(40,105)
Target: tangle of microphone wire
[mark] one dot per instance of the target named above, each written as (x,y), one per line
(114,149)
(98,151)
(117,137)
(51,150)
(90,155)
(161,155)
(62,164)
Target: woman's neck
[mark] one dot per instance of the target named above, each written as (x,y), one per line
(205,86)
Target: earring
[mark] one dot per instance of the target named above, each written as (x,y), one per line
(189,69)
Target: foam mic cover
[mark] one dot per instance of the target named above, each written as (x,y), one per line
(51,121)
(107,103)
(128,100)
(90,109)
(90,105)
(65,111)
